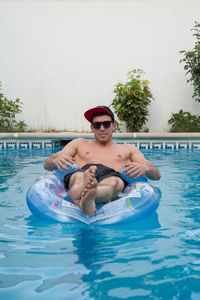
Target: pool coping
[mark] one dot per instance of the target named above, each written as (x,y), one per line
(132,135)
(47,140)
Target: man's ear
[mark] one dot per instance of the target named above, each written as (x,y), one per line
(91,127)
(114,126)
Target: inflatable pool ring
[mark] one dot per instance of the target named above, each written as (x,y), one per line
(48,199)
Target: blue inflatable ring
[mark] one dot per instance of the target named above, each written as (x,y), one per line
(48,199)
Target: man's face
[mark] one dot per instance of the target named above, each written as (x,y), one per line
(103,134)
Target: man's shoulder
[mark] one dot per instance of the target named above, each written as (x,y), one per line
(75,142)
(130,147)
(80,141)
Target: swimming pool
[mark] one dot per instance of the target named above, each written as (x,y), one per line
(158,258)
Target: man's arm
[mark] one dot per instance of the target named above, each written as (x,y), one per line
(139,165)
(63,158)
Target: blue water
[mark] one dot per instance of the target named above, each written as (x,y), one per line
(158,258)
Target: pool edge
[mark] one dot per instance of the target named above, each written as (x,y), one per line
(132,135)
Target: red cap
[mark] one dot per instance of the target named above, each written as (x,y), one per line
(99,109)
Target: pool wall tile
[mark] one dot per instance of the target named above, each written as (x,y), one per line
(174,145)
(170,145)
(1,146)
(145,145)
(36,145)
(28,144)
(11,145)
(195,145)
(153,143)
(157,145)
(24,145)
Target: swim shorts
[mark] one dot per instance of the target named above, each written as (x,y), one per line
(101,173)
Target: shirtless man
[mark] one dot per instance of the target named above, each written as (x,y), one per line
(99,161)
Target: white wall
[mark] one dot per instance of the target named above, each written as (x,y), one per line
(63,57)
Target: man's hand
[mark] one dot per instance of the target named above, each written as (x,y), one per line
(61,162)
(134,170)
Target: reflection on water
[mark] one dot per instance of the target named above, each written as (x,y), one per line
(157,258)
(13,162)
(79,254)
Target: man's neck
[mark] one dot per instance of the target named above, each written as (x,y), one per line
(104,144)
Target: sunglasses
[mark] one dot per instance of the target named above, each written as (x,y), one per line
(106,124)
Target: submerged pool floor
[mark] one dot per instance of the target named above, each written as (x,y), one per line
(158,258)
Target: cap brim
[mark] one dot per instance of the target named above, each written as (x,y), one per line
(91,112)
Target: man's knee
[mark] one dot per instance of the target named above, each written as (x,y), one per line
(115,183)
(76,178)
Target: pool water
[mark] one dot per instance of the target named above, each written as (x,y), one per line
(157,258)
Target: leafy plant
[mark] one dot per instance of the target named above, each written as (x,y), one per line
(191,60)
(184,122)
(8,111)
(131,101)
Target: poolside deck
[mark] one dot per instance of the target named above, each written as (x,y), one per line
(129,135)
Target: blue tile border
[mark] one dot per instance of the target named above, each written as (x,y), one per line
(11,145)
(141,144)
(164,144)
(28,144)
(24,145)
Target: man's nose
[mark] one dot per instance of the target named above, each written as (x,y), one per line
(102,127)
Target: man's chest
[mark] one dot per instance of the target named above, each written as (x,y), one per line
(102,153)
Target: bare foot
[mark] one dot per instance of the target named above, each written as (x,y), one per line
(87,202)
(88,177)
(79,182)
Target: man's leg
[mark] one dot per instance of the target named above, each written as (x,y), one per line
(107,188)
(82,190)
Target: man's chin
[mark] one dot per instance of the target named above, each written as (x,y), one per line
(103,138)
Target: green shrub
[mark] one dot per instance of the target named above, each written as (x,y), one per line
(8,111)
(131,101)
(191,60)
(184,122)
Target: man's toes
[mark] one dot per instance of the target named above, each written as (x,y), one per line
(92,170)
(94,183)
